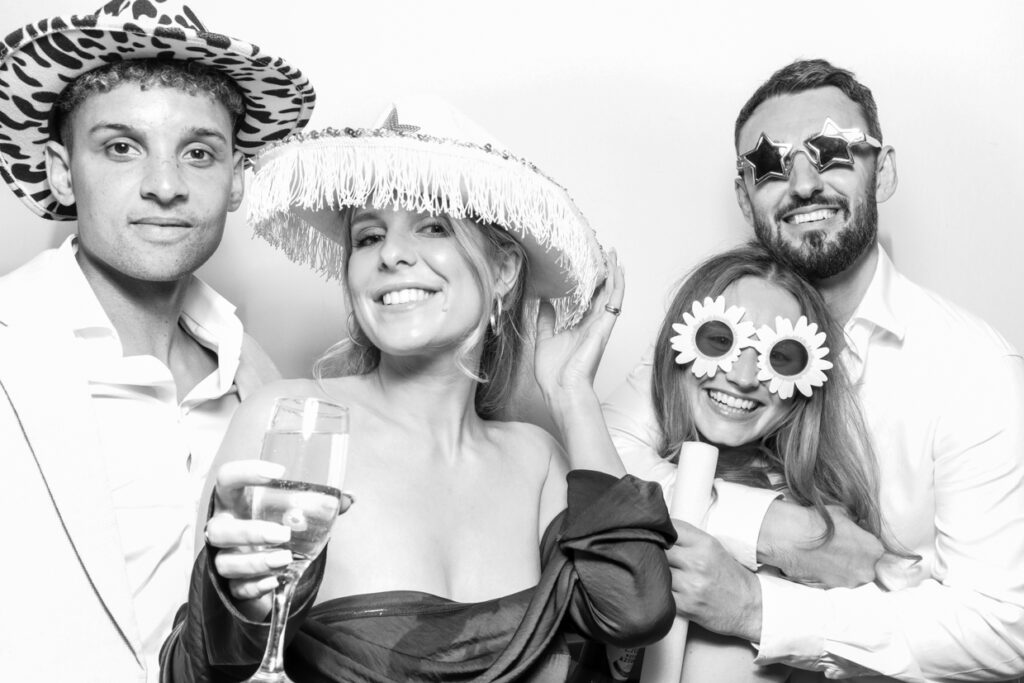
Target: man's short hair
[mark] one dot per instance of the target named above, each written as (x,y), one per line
(189,77)
(809,74)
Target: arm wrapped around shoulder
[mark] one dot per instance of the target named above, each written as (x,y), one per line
(615,533)
(212,642)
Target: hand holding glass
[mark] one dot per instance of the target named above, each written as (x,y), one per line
(309,438)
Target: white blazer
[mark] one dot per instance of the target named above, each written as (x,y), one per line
(66,608)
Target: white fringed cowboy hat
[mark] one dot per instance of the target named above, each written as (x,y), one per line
(40,60)
(428,157)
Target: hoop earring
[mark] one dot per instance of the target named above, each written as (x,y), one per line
(495,318)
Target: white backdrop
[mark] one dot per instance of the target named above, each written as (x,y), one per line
(631,106)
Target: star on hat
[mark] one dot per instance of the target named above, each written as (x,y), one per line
(391,123)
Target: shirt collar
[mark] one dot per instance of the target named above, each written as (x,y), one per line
(211,319)
(205,314)
(81,309)
(875,308)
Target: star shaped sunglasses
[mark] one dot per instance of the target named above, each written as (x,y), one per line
(712,338)
(833,146)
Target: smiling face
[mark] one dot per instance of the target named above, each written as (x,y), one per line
(153,174)
(733,408)
(412,287)
(819,222)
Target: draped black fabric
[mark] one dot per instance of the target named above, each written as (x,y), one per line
(604,575)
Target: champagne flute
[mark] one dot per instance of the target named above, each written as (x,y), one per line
(309,437)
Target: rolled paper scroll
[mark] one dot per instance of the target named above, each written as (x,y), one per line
(691,497)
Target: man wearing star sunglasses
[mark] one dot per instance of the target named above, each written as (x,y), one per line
(811,171)
(812,167)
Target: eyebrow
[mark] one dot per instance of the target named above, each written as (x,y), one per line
(364,214)
(200,132)
(195,131)
(105,126)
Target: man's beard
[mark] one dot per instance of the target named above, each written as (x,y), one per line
(817,257)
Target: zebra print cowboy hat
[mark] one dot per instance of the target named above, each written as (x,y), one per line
(424,155)
(40,60)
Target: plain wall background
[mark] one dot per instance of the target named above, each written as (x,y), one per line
(631,107)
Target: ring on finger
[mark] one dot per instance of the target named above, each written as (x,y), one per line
(612,309)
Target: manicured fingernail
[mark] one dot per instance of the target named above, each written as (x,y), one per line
(273,535)
(270,470)
(279,558)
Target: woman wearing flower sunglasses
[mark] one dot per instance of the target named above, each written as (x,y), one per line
(742,361)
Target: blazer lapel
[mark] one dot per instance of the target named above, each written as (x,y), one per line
(52,402)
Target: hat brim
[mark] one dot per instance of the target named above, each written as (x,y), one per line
(301,185)
(38,62)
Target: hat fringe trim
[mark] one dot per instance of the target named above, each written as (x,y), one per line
(304,244)
(418,177)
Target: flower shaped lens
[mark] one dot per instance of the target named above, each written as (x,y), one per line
(711,337)
(714,339)
(792,356)
(788,357)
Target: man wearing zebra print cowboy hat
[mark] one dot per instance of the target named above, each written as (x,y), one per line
(119,369)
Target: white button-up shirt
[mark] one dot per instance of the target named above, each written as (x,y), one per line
(157,450)
(943,396)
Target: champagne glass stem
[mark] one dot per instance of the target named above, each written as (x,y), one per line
(272,667)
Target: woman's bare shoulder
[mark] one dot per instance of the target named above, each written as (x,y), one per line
(546,465)
(528,441)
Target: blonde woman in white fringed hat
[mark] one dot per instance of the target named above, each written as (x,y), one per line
(475,543)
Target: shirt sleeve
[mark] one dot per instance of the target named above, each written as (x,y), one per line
(964,620)
(737,511)
(614,532)
(735,518)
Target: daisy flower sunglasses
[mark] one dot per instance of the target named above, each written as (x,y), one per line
(712,337)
